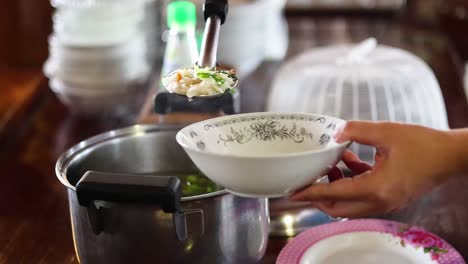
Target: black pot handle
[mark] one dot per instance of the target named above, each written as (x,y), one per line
(164,191)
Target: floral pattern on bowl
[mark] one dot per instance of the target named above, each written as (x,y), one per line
(269,116)
(266,131)
(268,128)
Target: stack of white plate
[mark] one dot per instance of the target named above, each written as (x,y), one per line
(98,55)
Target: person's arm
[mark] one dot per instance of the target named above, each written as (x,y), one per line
(459,145)
(410,161)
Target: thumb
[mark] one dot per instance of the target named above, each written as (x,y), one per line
(363,132)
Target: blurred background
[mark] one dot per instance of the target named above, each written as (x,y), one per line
(70,69)
(26,25)
(71,35)
(101,60)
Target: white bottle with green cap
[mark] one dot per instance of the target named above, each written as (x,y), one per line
(181,49)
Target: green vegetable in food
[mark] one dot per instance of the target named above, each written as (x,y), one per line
(205,75)
(197,184)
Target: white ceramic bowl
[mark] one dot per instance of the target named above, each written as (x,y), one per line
(96,100)
(97,23)
(98,72)
(134,47)
(264,154)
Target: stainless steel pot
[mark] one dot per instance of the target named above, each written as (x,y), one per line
(121,214)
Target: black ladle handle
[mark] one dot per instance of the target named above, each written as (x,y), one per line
(164,191)
(216,8)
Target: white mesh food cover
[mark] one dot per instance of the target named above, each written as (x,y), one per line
(360,82)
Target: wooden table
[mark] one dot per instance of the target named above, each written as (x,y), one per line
(34,220)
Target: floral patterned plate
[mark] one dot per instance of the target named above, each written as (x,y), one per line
(368,241)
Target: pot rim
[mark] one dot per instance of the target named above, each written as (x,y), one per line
(92,143)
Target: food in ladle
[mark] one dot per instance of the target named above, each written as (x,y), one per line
(195,81)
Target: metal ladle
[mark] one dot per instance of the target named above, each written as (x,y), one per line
(215,12)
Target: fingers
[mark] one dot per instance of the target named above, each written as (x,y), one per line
(349,209)
(363,132)
(349,156)
(353,162)
(335,174)
(344,189)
